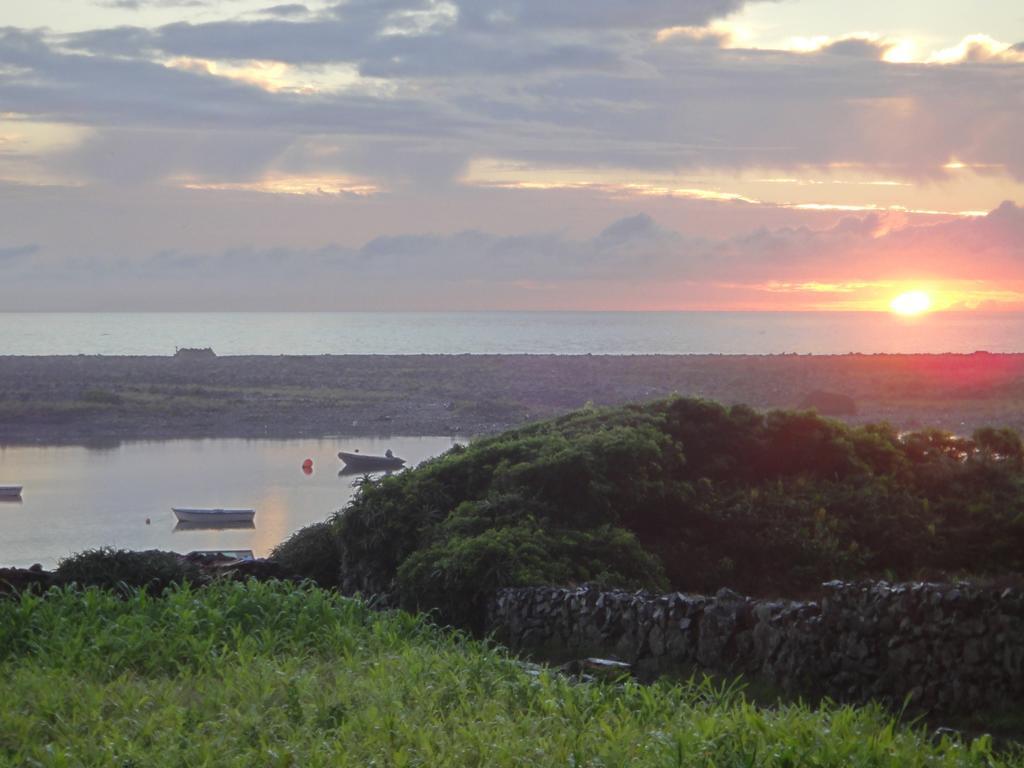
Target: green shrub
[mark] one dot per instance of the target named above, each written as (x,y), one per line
(101,397)
(456,575)
(107,567)
(313,553)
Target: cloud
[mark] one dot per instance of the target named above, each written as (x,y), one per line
(288,10)
(430,266)
(17,253)
(135,5)
(638,248)
(419,89)
(367,118)
(979,48)
(472,255)
(859,47)
(633,254)
(868,248)
(136,157)
(593,14)
(357,39)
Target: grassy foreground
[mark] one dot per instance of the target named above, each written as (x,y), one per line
(276,675)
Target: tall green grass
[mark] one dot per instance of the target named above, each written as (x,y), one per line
(276,675)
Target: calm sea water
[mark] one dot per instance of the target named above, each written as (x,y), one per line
(77,498)
(509,332)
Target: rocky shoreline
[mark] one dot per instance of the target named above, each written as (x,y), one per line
(88,399)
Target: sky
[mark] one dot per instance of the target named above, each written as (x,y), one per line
(510,154)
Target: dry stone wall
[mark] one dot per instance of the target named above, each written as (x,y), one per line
(951,648)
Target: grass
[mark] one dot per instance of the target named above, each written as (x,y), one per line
(101,397)
(48,412)
(275,675)
(186,399)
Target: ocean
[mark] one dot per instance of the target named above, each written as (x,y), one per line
(554,333)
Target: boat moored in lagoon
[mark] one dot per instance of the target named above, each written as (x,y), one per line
(369,463)
(10,491)
(213,515)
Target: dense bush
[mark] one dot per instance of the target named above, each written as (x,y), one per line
(456,574)
(311,553)
(688,494)
(118,568)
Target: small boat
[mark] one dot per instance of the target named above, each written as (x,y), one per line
(200,515)
(232,555)
(10,491)
(368,463)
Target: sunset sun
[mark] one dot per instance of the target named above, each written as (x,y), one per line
(911,303)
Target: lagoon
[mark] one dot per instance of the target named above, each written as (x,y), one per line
(80,497)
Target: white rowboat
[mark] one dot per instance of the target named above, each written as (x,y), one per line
(200,515)
(10,491)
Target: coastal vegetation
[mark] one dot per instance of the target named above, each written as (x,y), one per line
(113,568)
(679,493)
(171,666)
(274,674)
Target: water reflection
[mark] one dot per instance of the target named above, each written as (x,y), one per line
(82,498)
(273,514)
(103,443)
(213,525)
(352,472)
